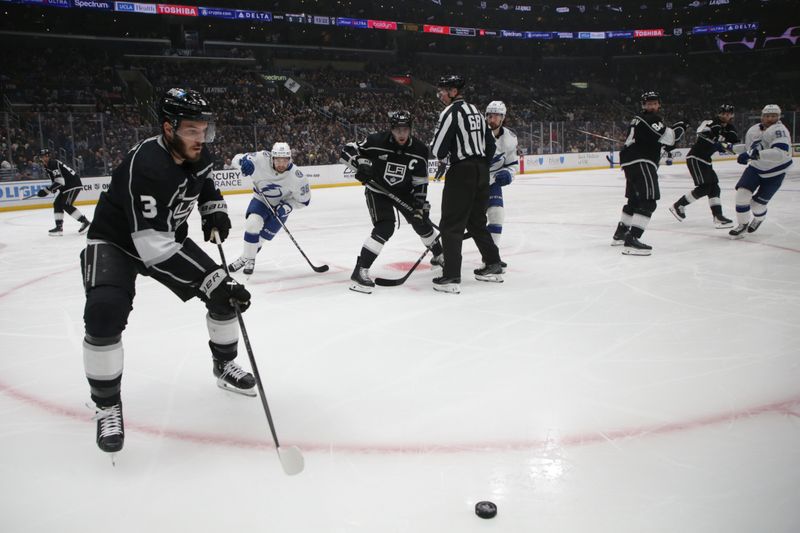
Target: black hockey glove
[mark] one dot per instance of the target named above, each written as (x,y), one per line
(222,291)
(215,217)
(423,212)
(41,193)
(364,170)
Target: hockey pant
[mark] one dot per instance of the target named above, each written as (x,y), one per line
(109,279)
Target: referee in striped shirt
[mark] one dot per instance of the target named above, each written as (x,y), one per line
(463,136)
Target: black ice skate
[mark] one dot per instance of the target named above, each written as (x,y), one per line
(754,224)
(721,222)
(738,231)
(84,225)
(234,378)
(492,273)
(678,212)
(443,284)
(619,235)
(361,280)
(634,246)
(58,231)
(110,428)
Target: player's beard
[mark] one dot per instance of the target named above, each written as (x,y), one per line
(179,147)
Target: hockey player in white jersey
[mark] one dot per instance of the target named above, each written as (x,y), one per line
(279,187)
(767,152)
(504,166)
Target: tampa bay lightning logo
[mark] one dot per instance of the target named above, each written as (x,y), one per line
(272,191)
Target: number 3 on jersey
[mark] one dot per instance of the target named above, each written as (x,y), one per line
(148,206)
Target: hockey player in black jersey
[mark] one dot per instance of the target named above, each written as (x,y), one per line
(715,135)
(639,159)
(140,228)
(67,186)
(397,161)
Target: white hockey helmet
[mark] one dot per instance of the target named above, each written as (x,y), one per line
(281,150)
(496,107)
(771,109)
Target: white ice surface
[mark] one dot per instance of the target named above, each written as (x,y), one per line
(590,392)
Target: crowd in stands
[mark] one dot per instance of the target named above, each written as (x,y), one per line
(81,109)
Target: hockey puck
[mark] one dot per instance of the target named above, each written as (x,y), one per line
(485,509)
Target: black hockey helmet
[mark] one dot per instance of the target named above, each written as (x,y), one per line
(726,108)
(185,103)
(44,152)
(649,96)
(398,119)
(178,104)
(451,81)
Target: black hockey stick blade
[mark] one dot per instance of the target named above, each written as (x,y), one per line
(383,282)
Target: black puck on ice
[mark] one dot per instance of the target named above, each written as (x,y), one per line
(485,509)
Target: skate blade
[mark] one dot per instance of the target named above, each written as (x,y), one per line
(633,251)
(737,237)
(676,215)
(56,234)
(618,243)
(724,225)
(357,287)
(224,385)
(451,289)
(492,278)
(113,456)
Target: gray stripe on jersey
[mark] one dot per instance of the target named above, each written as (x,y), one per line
(154,246)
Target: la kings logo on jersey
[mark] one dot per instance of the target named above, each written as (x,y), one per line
(395,173)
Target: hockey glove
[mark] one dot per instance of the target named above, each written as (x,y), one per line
(215,216)
(440,171)
(364,170)
(41,193)
(247,166)
(222,291)
(283,210)
(503,178)
(422,212)
(745,157)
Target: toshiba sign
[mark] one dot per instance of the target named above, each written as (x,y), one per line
(648,33)
(181,11)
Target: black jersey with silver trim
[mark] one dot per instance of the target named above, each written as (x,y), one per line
(145,209)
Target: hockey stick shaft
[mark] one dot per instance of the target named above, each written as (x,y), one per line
(600,136)
(323,268)
(293,462)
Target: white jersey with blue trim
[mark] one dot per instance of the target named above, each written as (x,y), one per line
(774,145)
(290,186)
(505,158)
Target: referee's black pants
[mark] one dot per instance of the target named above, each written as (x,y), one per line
(464,202)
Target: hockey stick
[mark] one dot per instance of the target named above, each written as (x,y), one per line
(322,268)
(291,459)
(383,282)
(600,136)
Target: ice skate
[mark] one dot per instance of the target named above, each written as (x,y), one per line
(232,377)
(110,428)
(361,281)
(634,246)
(443,284)
(619,235)
(754,224)
(492,273)
(738,231)
(721,222)
(678,212)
